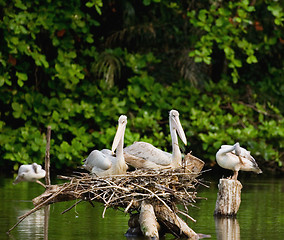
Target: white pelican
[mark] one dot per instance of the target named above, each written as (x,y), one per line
(145,155)
(104,162)
(236,158)
(30,173)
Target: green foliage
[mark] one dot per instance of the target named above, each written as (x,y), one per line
(59,68)
(228,25)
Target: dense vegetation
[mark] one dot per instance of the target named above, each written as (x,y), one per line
(77,65)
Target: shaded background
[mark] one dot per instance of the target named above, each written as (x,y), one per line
(77,65)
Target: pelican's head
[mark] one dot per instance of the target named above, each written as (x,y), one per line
(237,149)
(122,121)
(176,125)
(36,168)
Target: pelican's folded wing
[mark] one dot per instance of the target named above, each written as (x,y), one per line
(150,153)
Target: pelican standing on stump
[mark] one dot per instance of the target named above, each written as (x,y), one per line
(145,155)
(30,173)
(105,162)
(236,158)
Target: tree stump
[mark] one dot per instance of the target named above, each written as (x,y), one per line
(148,222)
(174,224)
(229,197)
(156,220)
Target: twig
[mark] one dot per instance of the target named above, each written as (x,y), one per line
(166,205)
(107,187)
(68,209)
(106,205)
(8,232)
(184,214)
(128,206)
(47,157)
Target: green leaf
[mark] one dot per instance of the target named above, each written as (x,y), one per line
(276,10)
(202,15)
(16,106)
(22,76)
(251,59)
(219,22)
(20,5)
(2,81)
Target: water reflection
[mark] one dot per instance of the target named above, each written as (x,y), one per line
(258,217)
(33,225)
(46,220)
(227,228)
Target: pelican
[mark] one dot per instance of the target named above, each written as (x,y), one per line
(236,158)
(30,173)
(104,162)
(145,155)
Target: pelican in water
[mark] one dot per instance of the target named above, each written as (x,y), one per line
(236,158)
(30,173)
(145,155)
(105,162)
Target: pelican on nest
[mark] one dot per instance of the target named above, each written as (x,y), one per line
(30,173)
(236,158)
(145,155)
(105,162)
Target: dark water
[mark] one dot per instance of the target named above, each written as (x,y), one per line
(261,215)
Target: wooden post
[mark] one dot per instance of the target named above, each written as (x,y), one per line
(47,157)
(148,222)
(229,197)
(174,224)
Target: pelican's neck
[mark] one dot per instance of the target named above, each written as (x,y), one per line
(176,154)
(119,150)
(227,149)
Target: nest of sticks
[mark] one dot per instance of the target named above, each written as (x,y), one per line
(162,189)
(168,187)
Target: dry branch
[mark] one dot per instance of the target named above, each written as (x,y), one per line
(47,157)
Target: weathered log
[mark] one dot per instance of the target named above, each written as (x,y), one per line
(50,190)
(168,222)
(173,223)
(148,222)
(229,197)
(227,228)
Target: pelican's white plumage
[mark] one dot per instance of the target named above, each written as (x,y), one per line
(235,158)
(145,155)
(105,162)
(30,173)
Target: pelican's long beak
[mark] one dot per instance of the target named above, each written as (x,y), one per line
(118,136)
(178,127)
(16,181)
